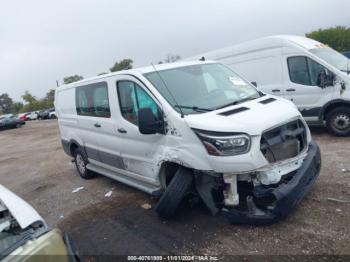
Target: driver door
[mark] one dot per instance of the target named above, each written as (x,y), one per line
(137,151)
(301,85)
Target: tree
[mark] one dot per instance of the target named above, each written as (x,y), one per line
(48,100)
(31,103)
(16,107)
(50,96)
(5,103)
(336,37)
(122,65)
(171,58)
(29,98)
(71,79)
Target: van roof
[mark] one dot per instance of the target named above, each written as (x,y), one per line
(268,42)
(138,71)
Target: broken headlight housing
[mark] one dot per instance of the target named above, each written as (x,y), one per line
(224,144)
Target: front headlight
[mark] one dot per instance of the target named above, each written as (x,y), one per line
(223,144)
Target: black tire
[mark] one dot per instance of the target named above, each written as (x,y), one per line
(175,193)
(18,125)
(338,121)
(81,161)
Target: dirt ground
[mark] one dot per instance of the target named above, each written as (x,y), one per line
(34,166)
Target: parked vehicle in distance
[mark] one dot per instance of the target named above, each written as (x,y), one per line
(25,235)
(191,128)
(10,121)
(312,75)
(34,115)
(347,54)
(52,114)
(24,116)
(45,114)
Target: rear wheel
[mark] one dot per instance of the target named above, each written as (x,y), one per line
(18,125)
(176,191)
(338,121)
(81,161)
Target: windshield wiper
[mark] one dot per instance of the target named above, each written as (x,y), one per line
(194,108)
(236,102)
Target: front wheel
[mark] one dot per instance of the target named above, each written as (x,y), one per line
(176,191)
(338,121)
(81,161)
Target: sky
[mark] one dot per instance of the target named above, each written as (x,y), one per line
(43,41)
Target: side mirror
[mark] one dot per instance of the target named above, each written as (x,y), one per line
(325,78)
(254,84)
(148,123)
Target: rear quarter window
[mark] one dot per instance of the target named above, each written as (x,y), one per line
(92,100)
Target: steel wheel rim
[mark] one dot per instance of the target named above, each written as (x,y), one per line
(342,122)
(80,164)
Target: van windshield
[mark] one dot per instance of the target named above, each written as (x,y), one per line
(332,57)
(201,88)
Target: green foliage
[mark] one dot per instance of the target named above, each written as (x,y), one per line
(29,98)
(122,65)
(71,79)
(336,37)
(33,104)
(16,107)
(50,98)
(5,103)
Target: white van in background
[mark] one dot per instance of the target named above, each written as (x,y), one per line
(191,128)
(309,73)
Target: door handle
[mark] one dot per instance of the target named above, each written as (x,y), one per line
(290,90)
(121,130)
(276,90)
(97,125)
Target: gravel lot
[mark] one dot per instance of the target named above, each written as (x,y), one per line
(34,166)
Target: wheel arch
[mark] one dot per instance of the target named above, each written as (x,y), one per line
(332,105)
(167,171)
(70,146)
(73,145)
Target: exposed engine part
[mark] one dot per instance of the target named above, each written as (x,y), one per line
(5,218)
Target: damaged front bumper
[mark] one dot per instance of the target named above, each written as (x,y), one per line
(286,196)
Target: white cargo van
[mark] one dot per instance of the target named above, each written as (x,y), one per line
(191,128)
(312,75)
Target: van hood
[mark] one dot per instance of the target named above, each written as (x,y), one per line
(20,210)
(251,117)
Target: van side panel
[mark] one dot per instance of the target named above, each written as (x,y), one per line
(67,116)
(263,67)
